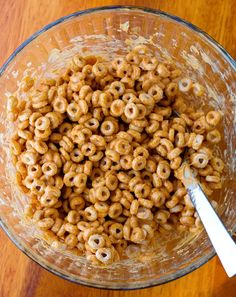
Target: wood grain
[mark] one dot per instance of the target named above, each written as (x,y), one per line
(19,276)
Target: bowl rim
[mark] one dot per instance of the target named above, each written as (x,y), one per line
(189,25)
(21,246)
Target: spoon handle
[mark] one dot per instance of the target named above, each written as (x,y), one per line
(221,240)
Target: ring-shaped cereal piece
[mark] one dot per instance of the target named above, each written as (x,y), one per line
(102,193)
(104,255)
(80,180)
(117,107)
(199,160)
(131,111)
(49,168)
(116,230)
(42,123)
(213,118)
(144,214)
(99,70)
(119,87)
(185,85)
(171,90)
(96,241)
(122,146)
(90,213)
(108,128)
(60,104)
(217,164)
(142,190)
(115,210)
(213,136)
(163,170)
(139,163)
(156,92)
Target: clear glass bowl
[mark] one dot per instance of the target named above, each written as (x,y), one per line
(109,31)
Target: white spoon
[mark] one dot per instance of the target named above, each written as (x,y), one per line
(221,240)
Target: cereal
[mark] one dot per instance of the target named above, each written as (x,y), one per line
(185,84)
(99,149)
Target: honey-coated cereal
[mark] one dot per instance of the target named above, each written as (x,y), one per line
(98,151)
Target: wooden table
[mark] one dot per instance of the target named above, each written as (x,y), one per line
(19,276)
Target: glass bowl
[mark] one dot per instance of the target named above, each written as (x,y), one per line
(109,31)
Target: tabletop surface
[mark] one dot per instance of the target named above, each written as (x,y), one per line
(21,277)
